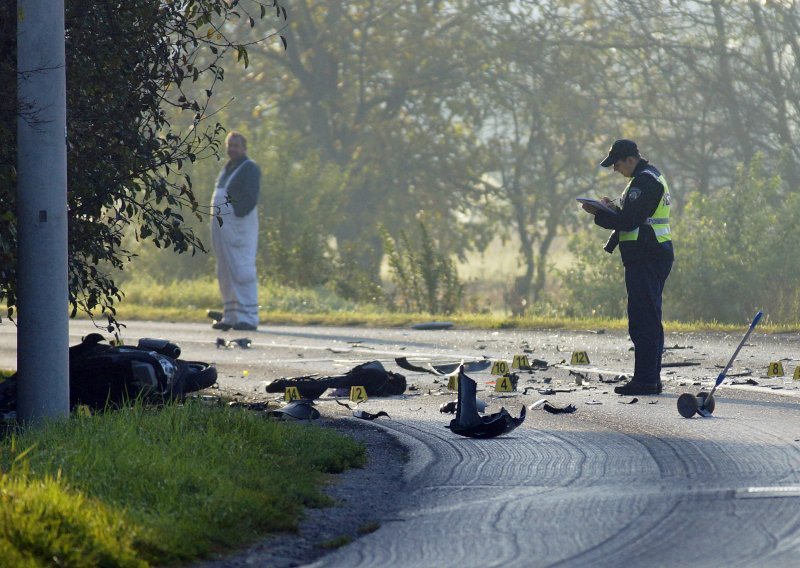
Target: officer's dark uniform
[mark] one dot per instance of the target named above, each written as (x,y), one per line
(641,228)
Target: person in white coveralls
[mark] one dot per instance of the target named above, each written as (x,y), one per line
(235,240)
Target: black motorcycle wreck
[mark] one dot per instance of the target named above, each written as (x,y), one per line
(105,377)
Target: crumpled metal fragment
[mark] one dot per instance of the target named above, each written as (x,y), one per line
(470,424)
(569,409)
(298,409)
(364,415)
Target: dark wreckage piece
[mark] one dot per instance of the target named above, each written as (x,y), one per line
(364,415)
(470,424)
(297,409)
(372,376)
(444,368)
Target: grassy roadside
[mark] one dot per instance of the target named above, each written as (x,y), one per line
(188,301)
(134,312)
(159,486)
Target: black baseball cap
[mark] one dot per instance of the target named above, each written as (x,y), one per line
(620,149)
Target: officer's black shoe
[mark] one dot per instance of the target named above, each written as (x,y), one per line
(638,388)
(221,325)
(241,326)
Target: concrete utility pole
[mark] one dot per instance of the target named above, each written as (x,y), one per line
(43,323)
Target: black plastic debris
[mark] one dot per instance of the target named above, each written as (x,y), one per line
(242,342)
(470,424)
(433,325)
(634,400)
(569,409)
(680,364)
(443,368)
(747,382)
(535,365)
(364,415)
(452,406)
(347,406)
(298,409)
(376,380)
(215,315)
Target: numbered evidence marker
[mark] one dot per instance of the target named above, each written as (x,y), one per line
(500,368)
(290,394)
(503,384)
(358,394)
(775,369)
(579,358)
(520,362)
(797,373)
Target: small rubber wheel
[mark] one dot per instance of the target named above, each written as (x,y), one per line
(687,405)
(706,402)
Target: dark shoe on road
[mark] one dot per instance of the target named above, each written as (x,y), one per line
(221,325)
(245,327)
(638,388)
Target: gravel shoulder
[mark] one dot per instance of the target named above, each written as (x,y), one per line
(363,498)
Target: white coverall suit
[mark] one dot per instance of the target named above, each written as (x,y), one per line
(235,243)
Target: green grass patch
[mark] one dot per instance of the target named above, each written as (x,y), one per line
(183,481)
(45,523)
(188,301)
(370,318)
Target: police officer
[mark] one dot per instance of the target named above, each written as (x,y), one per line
(642,231)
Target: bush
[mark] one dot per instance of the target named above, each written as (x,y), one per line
(426,279)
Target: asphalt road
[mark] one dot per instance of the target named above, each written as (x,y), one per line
(609,485)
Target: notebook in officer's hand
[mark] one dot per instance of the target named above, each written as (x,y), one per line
(595,203)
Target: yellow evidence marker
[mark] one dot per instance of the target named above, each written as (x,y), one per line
(358,394)
(500,368)
(797,373)
(503,384)
(290,394)
(452,381)
(520,362)
(579,358)
(775,369)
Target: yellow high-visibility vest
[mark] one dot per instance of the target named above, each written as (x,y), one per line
(660,218)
